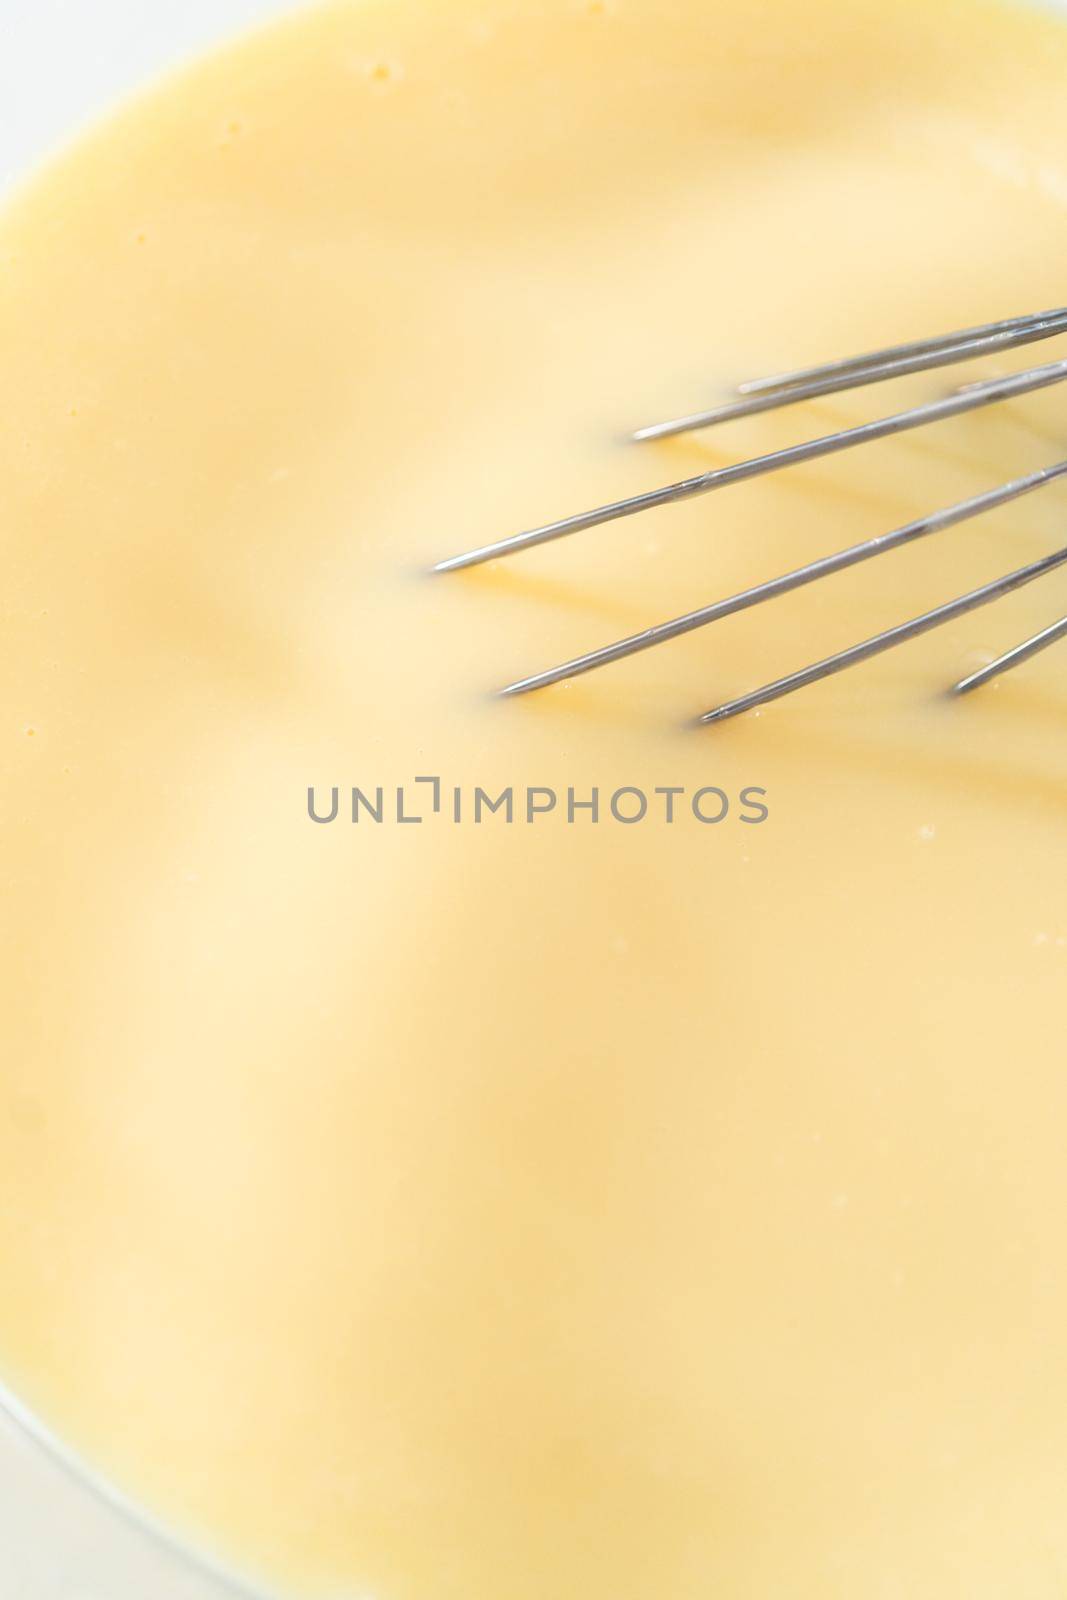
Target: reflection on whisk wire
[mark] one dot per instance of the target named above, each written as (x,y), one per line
(766,394)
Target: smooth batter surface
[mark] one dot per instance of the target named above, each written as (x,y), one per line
(545,1211)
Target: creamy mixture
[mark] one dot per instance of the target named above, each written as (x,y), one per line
(545,1210)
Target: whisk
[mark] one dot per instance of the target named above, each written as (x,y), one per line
(791,388)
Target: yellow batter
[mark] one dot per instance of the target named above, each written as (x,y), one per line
(555,1210)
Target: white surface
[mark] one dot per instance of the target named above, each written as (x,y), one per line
(62,62)
(59,1541)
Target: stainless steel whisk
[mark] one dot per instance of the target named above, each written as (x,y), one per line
(786,389)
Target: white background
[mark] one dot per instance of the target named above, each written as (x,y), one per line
(62,62)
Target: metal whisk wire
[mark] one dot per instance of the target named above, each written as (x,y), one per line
(765,394)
